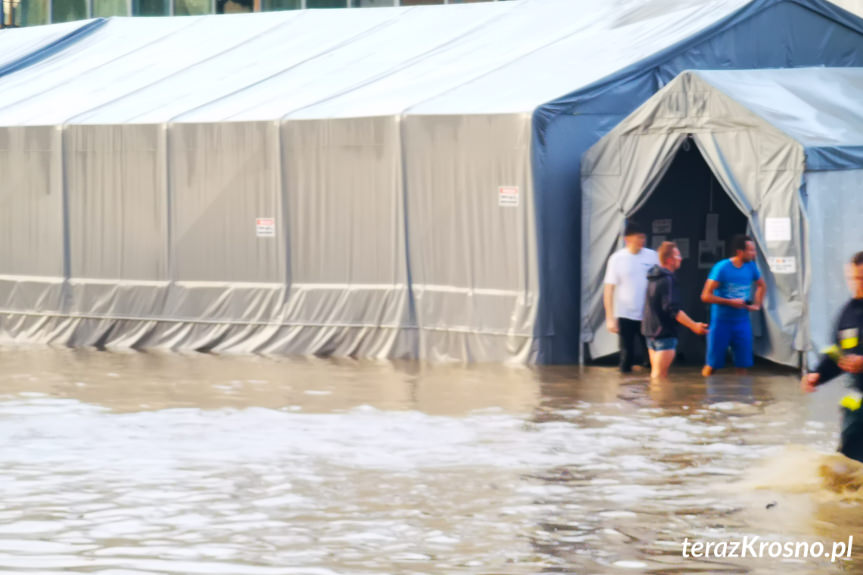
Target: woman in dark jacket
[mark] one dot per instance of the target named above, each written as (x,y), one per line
(662,311)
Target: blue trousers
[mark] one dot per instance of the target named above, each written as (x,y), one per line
(738,335)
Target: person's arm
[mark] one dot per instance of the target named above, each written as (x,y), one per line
(828,368)
(608,301)
(671,306)
(611,282)
(707,296)
(760,290)
(829,365)
(696,327)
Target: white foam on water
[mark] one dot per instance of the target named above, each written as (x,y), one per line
(630,564)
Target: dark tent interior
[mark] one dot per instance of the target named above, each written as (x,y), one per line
(690,207)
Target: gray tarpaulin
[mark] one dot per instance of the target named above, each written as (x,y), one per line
(221,200)
(785,146)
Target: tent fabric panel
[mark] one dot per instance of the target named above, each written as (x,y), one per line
(292,47)
(834,158)
(346,225)
(633,29)
(115,178)
(353,51)
(344,189)
(22,47)
(815,106)
(223,178)
(834,213)
(31,218)
(472,244)
(96,69)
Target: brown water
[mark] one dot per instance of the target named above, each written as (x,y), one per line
(146,463)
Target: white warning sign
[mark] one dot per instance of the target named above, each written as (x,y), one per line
(265,227)
(507,196)
(783,265)
(777,229)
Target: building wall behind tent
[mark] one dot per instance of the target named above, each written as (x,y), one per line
(764,34)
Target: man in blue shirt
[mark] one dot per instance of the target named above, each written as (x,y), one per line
(729,290)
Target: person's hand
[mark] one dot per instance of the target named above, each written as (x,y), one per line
(753,307)
(851,363)
(701,329)
(611,324)
(737,303)
(809,381)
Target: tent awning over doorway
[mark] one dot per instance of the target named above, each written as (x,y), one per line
(787,147)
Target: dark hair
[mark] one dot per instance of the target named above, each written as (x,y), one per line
(665,251)
(632,228)
(738,242)
(857,259)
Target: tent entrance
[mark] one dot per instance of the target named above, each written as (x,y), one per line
(689,206)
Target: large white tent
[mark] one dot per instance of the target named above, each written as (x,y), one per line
(349,182)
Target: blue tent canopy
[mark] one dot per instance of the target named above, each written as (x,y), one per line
(762,34)
(785,146)
(818,107)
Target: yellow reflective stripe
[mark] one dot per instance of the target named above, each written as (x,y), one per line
(851,402)
(849,343)
(832,352)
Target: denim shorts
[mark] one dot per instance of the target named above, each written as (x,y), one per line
(662,344)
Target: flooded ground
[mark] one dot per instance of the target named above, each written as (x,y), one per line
(149,463)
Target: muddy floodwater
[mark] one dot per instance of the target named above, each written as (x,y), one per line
(137,463)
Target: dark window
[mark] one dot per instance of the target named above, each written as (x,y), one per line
(150,7)
(108,8)
(234,6)
(191,7)
(269,5)
(326,3)
(372,3)
(68,10)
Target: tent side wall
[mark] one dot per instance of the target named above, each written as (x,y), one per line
(764,34)
(222,178)
(834,214)
(117,228)
(472,248)
(31,220)
(345,213)
(164,249)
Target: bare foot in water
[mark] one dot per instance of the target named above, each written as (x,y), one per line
(707,371)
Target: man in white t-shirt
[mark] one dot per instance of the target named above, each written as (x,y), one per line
(625,291)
